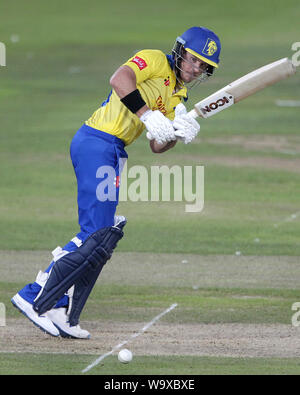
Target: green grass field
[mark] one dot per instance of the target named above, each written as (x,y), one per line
(60,56)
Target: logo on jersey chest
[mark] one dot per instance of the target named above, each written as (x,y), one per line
(160,105)
(167,81)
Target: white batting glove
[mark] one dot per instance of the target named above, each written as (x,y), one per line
(186,126)
(158,127)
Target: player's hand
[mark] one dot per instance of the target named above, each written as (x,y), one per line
(186,126)
(158,127)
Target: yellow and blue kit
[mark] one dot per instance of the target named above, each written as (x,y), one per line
(97,149)
(98,154)
(156,82)
(102,139)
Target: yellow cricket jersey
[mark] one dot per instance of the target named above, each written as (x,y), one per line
(156,82)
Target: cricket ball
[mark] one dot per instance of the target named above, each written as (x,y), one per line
(125,355)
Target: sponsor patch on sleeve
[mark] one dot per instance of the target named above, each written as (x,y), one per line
(139,62)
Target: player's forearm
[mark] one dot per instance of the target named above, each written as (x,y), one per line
(160,148)
(123,82)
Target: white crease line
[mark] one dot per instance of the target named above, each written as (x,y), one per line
(290,218)
(288,152)
(135,335)
(288,103)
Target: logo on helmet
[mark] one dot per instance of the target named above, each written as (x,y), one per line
(210,47)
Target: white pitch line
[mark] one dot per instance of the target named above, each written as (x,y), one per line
(288,103)
(135,335)
(290,218)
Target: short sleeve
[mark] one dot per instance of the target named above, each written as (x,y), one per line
(147,64)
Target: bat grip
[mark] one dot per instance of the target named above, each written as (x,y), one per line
(193,113)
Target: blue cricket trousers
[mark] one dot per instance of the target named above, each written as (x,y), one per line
(97,158)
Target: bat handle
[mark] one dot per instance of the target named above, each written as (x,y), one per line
(193,113)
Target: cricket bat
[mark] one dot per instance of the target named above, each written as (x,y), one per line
(243,87)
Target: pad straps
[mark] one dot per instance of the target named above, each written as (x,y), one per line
(74,267)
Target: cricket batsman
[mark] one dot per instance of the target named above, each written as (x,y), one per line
(147,93)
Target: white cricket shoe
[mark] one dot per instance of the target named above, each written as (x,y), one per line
(41,321)
(60,319)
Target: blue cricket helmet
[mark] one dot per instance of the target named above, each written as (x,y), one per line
(202,43)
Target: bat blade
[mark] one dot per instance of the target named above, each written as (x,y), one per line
(243,87)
